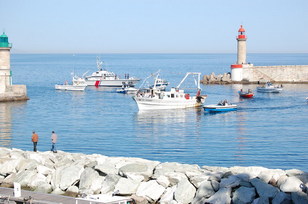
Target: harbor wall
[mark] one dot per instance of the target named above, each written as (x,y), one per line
(14,93)
(282,73)
(148,181)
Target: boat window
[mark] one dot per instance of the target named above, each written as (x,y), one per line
(172,95)
(168,96)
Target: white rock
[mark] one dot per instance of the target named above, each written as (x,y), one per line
(26,164)
(109,183)
(69,176)
(168,195)
(185,192)
(106,168)
(90,181)
(151,190)
(44,188)
(175,177)
(25,177)
(223,195)
(37,180)
(163,180)
(204,191)
(8,166)
(73,189)
(198,180)
(126,186)
(291,184)
(44,170)
(252,171)
(57,191)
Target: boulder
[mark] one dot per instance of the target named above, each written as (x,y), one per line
(126,186)
(143,169)
(204,191)
(251,172)
(282,197)
(168,195)
(109,183)
(43,188)
(198,180)
(69,176)
(106,168)
(44,170)
(163,181)
(175,177)
(72,189)
(25,177)
(185,192)
(90,181)
(223,195)
(37,180)
(291,184)
(230,182)
(299,197)
(8,166)
(57,191)
(243,195)
(151,190)
(26,164)
(264,189)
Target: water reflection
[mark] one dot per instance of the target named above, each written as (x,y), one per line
(6,110)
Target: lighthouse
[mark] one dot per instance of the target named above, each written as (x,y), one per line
(5,68)
(8,91)
(237,69)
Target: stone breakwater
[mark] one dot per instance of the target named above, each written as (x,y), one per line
(150,181)
(217,79)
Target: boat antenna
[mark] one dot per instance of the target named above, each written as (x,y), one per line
(99,63)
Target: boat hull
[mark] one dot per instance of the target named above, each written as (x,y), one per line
(217,108)
(269,90)
(111,82)
(246,95)
(161,104)
(70,87)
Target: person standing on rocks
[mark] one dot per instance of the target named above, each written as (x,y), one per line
(34,140)
(54,138)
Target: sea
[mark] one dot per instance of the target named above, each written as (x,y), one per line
(269,130)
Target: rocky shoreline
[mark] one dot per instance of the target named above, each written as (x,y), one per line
(149,181)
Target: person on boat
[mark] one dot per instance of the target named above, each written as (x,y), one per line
(54,138)
(34,140)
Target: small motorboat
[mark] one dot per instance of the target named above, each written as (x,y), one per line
(78,84)
(127,89)
(222,106)
(270,88)
(247,94)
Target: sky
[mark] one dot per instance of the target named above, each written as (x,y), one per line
(154,26)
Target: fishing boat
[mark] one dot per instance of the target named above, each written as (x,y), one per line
(78,84)
(160,83)
(248,94)
(270,88)
(154,98)
(222,106)
(105,78)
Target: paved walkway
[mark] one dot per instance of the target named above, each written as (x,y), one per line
(42,198)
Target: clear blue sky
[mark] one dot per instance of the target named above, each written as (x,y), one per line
(154,26)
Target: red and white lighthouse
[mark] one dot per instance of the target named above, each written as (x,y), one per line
(237,69)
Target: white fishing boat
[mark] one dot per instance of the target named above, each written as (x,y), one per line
(160,83)
(105,78)
(153,98)
(270,88)
(222,106)
(78,84)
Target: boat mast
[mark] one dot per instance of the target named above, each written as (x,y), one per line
(191,73)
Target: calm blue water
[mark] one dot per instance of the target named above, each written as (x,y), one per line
(270,130)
